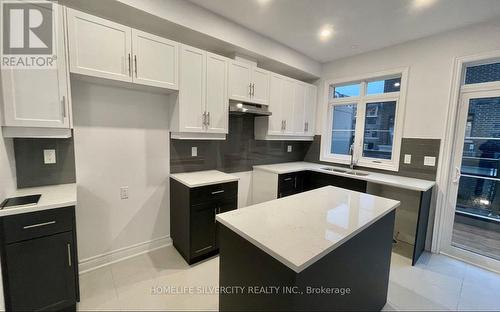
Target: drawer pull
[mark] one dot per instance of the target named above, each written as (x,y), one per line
(69,254)
(203,249)
(217,192)
(288,179)
(38,225)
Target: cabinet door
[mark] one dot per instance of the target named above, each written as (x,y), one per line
(299,124)
(39,97)
(155,60)
(260,88)
(203,228)
(310,110)
(98,47)
(239,81)
(287,101)
(216,97)
(275,92)
(192,89)
(40,273)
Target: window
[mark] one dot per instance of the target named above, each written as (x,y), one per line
(364,119)
(482,73)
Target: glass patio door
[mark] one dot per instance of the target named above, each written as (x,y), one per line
(476,178)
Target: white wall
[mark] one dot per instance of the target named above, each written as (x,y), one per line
(121,139)
(431,65)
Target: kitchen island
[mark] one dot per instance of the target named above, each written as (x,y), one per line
(325,249)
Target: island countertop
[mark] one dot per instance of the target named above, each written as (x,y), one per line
(300,229)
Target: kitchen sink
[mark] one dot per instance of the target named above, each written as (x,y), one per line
(347,171)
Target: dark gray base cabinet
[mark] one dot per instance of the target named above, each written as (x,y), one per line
(39,260)
(192,217)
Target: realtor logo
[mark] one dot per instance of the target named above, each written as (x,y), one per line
(27,34)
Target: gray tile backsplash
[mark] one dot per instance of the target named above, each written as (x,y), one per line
(417,148)
(239,152)
(30,167)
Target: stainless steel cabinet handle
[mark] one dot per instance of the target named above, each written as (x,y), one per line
(215,215)
(69,254)
(282,125)
(38,225)
(295,183)
(250,89)
(204,118)
(135,62)
(217,192)
(253,89)
(288,179)
(129,66)
(200,250)
(219,209)
(64,106)
(285,125)
(208,117)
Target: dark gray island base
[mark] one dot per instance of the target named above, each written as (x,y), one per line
(353,276)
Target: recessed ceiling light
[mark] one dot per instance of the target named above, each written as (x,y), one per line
(325,32)
(263,2)
(422,4)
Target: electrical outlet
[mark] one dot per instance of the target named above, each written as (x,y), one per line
(407,159)
(124,192)
(49,156)
(289,148)
(194,151)
(429,161)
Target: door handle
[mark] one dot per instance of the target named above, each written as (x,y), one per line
(129,66)
(456,178)
(38,225)
(217,192)
(135,62)
(64,114)
(69,254)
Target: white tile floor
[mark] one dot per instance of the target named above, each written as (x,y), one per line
(436,283)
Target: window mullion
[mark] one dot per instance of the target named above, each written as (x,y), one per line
(358,133)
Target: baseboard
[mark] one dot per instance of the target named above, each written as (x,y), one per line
(114,256)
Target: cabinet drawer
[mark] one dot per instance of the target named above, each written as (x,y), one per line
(37,224)
(213,192)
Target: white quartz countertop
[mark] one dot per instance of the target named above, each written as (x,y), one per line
(300,229)
(202,178)
(375,177)
(53,196)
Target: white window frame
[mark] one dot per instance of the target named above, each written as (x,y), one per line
(361,102)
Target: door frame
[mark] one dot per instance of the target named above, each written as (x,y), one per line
(445,201)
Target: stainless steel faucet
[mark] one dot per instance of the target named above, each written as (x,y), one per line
(351,152)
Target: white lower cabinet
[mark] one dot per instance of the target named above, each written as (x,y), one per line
(293,107)
(37,101)
(105,49)
(201,107)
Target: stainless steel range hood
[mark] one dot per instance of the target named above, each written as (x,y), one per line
(238,108)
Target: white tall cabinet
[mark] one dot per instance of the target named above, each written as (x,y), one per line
(36,102)
(105,49)
(201,107)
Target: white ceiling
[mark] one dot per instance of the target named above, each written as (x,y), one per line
(359,25)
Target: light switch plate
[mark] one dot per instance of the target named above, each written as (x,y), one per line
(289,148)
(194,151)
(429,161)
(407,159)
(49,156)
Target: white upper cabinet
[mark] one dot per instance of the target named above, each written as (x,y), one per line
(293,105)
(240,86)
(192,90)
(201,109)
(101,48)
(155,60)
(38,98)
(216,93)
(248,83)
(260,86)
(299,100)
(98,47)
(310,110)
